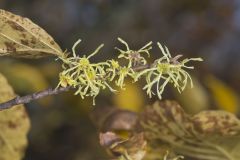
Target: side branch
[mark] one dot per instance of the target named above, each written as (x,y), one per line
(34,96)
(51,91)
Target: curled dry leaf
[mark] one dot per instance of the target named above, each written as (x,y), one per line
(14,126)
(132,148)
(209,135)
(20,37)
(109,139)
(113,119)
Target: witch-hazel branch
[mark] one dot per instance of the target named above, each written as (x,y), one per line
(89,78)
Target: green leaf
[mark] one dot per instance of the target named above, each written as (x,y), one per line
(209,135)
(14,126)
(20,37)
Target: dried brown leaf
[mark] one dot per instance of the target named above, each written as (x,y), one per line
(20,37)
(209,135)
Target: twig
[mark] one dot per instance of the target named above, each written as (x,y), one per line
(141,67)
(51,91)
(31,97)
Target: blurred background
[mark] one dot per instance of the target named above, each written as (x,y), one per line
(61,125)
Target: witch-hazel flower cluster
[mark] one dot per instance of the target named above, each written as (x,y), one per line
(89,78)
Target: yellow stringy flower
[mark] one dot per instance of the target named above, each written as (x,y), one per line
(134,56)
(168,70)
(90,78)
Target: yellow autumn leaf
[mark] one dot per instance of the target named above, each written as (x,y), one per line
(224,96)
(14,126)
(23,77)
(131,98)
(195,99)
(50,70)
(20,37)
